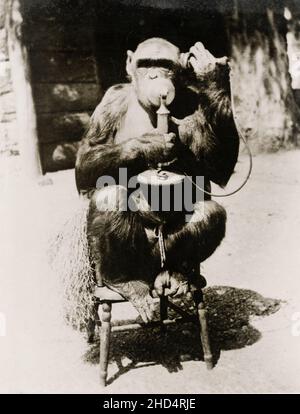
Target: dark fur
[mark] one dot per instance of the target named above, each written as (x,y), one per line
(198,240)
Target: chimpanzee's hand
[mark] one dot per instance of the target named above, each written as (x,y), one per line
(154,147)
(138,293)
(174,284)
(202,61)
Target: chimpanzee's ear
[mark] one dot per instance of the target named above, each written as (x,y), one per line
(129,68)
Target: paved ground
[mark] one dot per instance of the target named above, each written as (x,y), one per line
(253,297)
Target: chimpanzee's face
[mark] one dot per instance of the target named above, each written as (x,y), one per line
(153,69)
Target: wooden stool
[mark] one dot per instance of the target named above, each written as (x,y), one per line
(105,297)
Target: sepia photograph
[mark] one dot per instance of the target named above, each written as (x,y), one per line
(150,190)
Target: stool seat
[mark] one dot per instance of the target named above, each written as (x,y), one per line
(103,293)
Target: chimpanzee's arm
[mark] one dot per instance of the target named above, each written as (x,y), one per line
(103,158)
(210,132)
(99,155)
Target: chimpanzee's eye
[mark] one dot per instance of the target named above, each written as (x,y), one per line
(142,70)
(156,63)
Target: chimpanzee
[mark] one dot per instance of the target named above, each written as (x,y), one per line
(122,134)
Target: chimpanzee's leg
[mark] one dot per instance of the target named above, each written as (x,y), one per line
(192,243)
(119,247)
(200,236)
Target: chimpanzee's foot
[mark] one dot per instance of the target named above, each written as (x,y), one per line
(138,293)
(171,284)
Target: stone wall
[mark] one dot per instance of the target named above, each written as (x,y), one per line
(8,127)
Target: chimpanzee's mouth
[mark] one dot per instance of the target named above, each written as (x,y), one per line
(154,102)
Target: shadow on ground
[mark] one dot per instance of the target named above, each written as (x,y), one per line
(229,317)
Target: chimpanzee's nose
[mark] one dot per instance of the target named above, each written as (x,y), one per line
(153,75)
(164,93)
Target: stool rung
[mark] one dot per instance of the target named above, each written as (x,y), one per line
(133,326)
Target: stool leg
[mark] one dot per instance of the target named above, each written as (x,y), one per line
(202,312)
(163,311)
(104,341)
